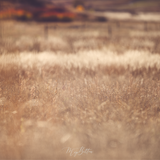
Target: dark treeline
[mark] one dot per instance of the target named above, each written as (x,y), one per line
(26,2)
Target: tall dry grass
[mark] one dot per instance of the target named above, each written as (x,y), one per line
(53,100)
(115,116)
(74,37)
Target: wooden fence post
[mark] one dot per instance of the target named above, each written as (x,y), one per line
(118,24)
(145,26)
(109,30)
(46,32)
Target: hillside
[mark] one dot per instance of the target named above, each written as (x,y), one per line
(96,5)
(115,5)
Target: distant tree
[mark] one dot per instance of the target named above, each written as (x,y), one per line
(28,2)
(33,2)
(78,2)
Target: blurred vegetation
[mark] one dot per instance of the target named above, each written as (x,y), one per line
(78,2)
(100,5)
(95,85)
(27,2)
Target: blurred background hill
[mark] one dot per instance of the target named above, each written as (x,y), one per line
(93,5)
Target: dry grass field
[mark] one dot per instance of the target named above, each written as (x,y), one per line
(86,90)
